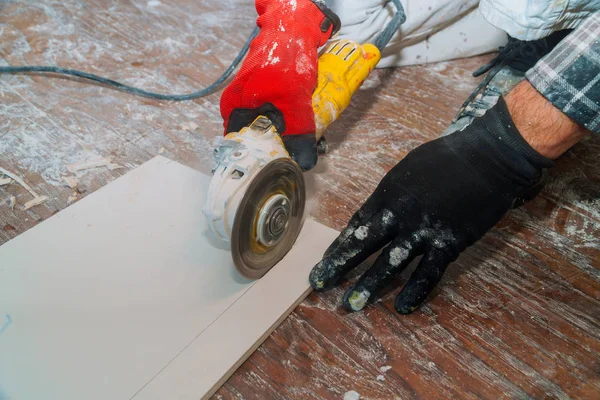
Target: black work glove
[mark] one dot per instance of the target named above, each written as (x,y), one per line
(440,199)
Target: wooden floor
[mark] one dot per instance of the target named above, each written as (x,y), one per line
(517,316)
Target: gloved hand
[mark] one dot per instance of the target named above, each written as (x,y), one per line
(279,75)
(440,199)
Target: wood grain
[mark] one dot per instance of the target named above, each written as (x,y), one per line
(517,316)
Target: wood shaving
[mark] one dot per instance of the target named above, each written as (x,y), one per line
(90,164)
(71,181)
(72,198)
(12,202)
(189,126)
(112,167)
(35,202)
(5,181)
(19,181)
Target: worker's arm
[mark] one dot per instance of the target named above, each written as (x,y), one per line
(444,196)
(279,75)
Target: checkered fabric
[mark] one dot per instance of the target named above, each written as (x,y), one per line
(569,76)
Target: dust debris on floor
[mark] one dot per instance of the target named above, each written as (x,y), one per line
(72,198)
(37,199)
(71,181)
(352,395)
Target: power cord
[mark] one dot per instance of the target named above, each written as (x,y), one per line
(380,42)
(131,89)
(392,27)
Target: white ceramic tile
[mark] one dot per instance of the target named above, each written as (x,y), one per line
(126,295)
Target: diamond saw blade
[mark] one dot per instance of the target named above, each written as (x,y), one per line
(269,218)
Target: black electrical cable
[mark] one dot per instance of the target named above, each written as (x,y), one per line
(380,42)
(131,89)
(392,27)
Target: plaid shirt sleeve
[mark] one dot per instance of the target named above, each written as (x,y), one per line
(569,76)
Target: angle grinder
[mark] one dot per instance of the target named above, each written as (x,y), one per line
(257,195)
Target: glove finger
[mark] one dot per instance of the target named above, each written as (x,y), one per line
(243,117)
(365,213)
(351,251)
(392,261)
(422,282)
(302,149)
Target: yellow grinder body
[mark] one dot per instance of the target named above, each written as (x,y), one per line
(343,67)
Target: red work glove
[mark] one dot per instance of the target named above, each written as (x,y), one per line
(279,75)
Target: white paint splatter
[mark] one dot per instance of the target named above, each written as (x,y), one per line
(271,60)
(371,82)
(321,122)
(351,395)
(154,3)
(346,233)
(304,65)
(358,300)
(397,255)
(346,256)
(385,368)
(442,239)
(293,4)
(380,378)
(361,233)
(387,217)
(174,45)
(439,67)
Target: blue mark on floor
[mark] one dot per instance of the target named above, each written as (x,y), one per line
(6,324)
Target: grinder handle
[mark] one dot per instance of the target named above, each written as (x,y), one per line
(343,67)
